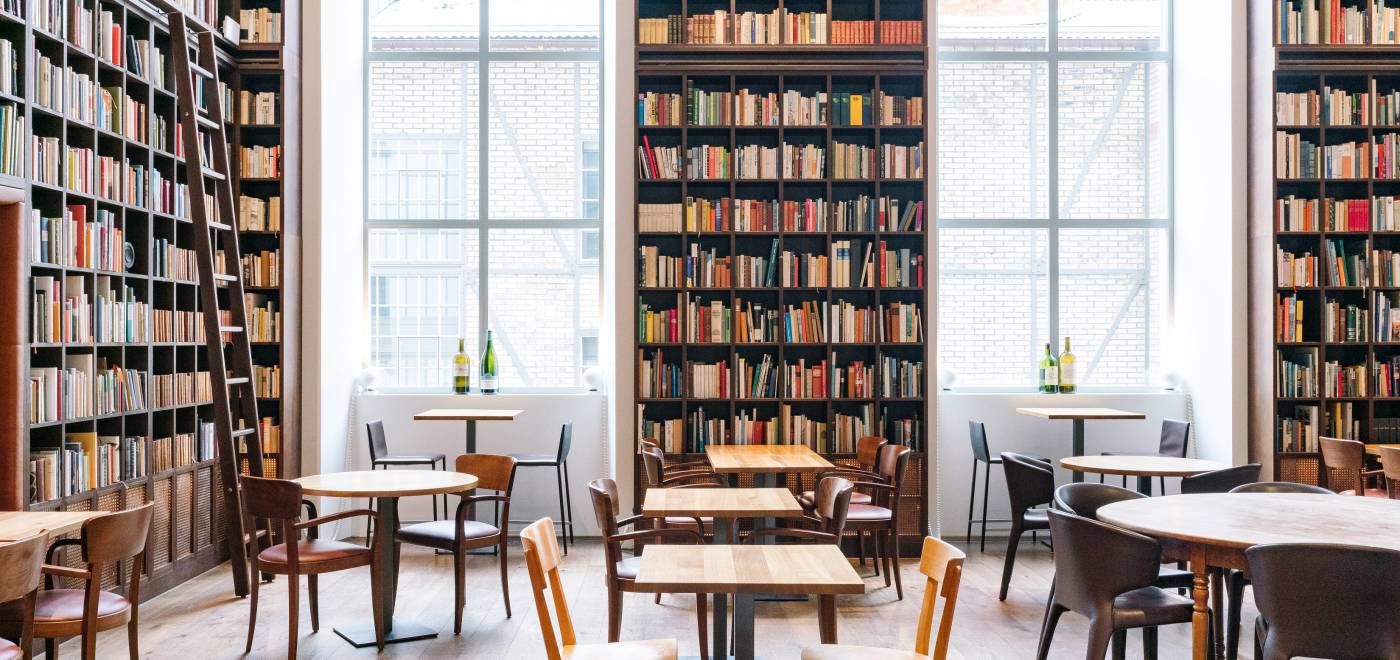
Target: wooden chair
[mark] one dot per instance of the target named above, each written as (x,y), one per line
(881,518)
(655,475)
(867,454)
(460,535)
(942,564)
(622,571)
(1345,462)
(542,560)
(21,570)
(279,503)
(105,542)
(701,464)
(1390,468)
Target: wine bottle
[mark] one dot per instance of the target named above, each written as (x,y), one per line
(488,367)
(1067,370)
(1049,372)
(461,369)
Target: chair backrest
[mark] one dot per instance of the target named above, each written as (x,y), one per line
(566,437)
(978,432)
(652,466)
(1390,464)
(21,562)
(606,507)
(831,502)
(1085,499)
(942,564)
(647,442)
(1221,481)
(378,446)
(892,465)
(1095,562)
(1175,434)
(1328,601)
(868,451)
(1343,460)
(542,560)
(493,471)
(273,499)
(1281,487)
(1029,481)
(117,536)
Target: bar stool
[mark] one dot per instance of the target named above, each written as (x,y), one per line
(560,462)
(980,455)
(379,456)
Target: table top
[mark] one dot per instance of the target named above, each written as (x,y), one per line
(767,569)
(20,524)
(1080,413)
(1141,466)
(721,503)
(468,414)
(749,459)
(386,483)
(1375,450)
(1241,520)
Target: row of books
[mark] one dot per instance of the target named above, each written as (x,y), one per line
(264,318)
(1338,107)
(60,310)
(261,162)
(119,389)
(74,241)
(173,262)
(1344,322)
(118,316)
(85,461)
(267,381)
(176,325)
(1295,270)
(1330,22)
(790,161)
(806,322)
(1289,313)
(864,213)
(258,214)
(262,268)
(780,26)
(183,449)
(1296,376)
(9,69)
(261,25)
(701,428)
(60,393)
(1379,213)
(146,60)
(257,108)
(181,389)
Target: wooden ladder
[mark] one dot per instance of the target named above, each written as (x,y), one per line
(230,359)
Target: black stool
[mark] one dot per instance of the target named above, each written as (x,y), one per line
(560,462)
(980,454)
(379,456)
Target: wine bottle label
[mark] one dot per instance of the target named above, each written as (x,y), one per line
(460,370)
(1067,374)
(1049,375)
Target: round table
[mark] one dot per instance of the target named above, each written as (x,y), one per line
(1214,530)
(386,487)
(1142,467)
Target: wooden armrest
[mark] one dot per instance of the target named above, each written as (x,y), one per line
(316,522)
(486,498)
(791,532)
(684,474)
(689,534)
(861,475)
(630,520)
(874,486)
(697,478)
(64,571)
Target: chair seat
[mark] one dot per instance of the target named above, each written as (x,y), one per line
(1035,519)
(848,651)
(1150,606)
(313,552)
(627,568)
(439,533)
(648,649)
(867,513)
(1369,492)
(807,498)
(65,606)
(10,650)
(1173,578)
(409,459)
(536,460)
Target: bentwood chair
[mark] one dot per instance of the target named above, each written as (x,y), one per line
(379,457)
(655,475)
(459,535)
(542,559)
(279,503)
(942,564)
(21,571)
(670,464)
(881,517)
(1030,482)
(1345,463)
(828,519)
(1390,469)
(867,454)
(1326,601)
(105,542)
(1171,443)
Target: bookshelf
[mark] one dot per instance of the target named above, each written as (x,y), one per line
(108,366)
(763,170)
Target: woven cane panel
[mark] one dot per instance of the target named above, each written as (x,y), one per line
(1340,480)
(111,500)
(270,468)
(202,514)
(160,527)
(217,523)
(182,516)
(72,556)
(1302,469)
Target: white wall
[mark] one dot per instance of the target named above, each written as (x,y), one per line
(1009,431)
(619,292)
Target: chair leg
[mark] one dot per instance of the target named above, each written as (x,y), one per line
(252,609)
(1100,636)
(311,600)
(1011,545)
(459,588)
(701,619)
(893,548)
(1120,644)
(986,493)
(1149,643)
(505,585)
(883,548)
(971,502)
(614,614)
(50,648)
(1235,592)
(860,546)
(133,649)
(559,482)
(569,504)
(1047,628)
(293,613)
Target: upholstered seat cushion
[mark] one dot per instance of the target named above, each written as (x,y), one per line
(1173,578)
(439,533)
(1370,492)
(847,651)
(1150,606)
(867,513)
(808,498)
(409,459)
(535,460)
(647,649)
(58,606)
(627,568)
(9,650)
(311,552)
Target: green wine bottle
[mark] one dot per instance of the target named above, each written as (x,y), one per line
(1067,370)
(461,369)
(488,367)
(1049,372)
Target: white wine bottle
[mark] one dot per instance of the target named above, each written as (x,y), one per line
(1067,370)
(488,367)
(1049,372)
(461,369)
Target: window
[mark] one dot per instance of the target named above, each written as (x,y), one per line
(485,182)
(1054,181)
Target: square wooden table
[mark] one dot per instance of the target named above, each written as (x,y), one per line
(746,570)
(1078,415)
(1375,450)
(722,504)
(15,525)
(469,415)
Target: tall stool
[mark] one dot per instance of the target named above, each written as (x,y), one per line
(560,462)
(980,456)
(379,456)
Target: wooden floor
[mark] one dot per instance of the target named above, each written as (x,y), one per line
(201,620)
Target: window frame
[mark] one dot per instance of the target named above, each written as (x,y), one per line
(1052,57)
(483,223)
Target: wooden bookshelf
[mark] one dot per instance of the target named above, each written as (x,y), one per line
(187,528)
(897,70)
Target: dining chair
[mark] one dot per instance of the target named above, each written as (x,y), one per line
(1281,487)
(1326,601)
(21,571)
(104,543)
(867,453)
(1106,573)
(559,460)
(1084,499)
(542,560)
(380,457)
(1390,469)
(826,522)
(279,503)
(700,464)
(1030,482)
(1171,443)
(942,565)
(621,573)
(655,475)
(881,517)
(1345,463)
(461,535)
(981,455)
(1220,481)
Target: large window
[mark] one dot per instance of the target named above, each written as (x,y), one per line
(484,187)
(1054,188)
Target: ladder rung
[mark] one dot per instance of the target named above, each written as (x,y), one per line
(199,70)
(206,122)
(240,380)
(220,277)
(219,226)
(212,173)
(230,328)
(239,433)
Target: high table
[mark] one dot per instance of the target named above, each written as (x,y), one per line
(1214,530)
(15,525)
(725,505)
(1078,415)
(469,415)
(746,570)
(1142,467)
(386,487)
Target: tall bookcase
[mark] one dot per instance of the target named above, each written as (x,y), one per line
(129,182)
(786,245)
(1336,328)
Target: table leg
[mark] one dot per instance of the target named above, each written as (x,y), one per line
(387,564)
(719,609)
(766,480)
(1077,447)
(471,508)
(1217,604)
(1200,613)
(826,617)
(1145,485)
(743,627)
(471,436)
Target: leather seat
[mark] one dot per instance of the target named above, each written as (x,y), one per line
(866,513)
(59,605)
(848,651)
(627,568)
(1149,606)
(1173,578)
(312,551)
(409,459)
(1037,516)
(440,533)
(535,460)
(808,497)
(1369,492)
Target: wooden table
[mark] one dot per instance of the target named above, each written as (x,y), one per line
(15,525)
(386,486)
(1142,467)
(1213,531)
(1078,415)
(1375,450)
(746,570)
(469,415)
